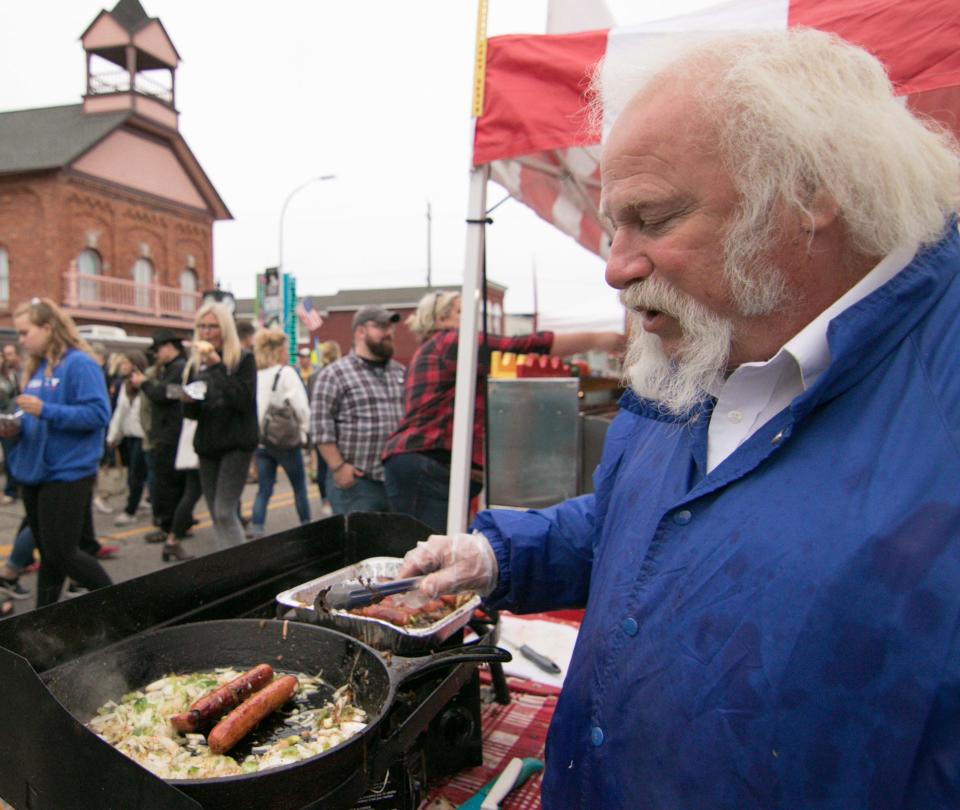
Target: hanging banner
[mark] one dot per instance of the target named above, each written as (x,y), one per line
(267,310)
(289,314)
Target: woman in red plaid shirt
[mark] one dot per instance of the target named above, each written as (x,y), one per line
(417,455)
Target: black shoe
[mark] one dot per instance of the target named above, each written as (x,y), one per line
(13,588)
(173,552)
(156,536)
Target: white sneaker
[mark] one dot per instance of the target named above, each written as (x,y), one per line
(73,589)
(124,519)
(102,506)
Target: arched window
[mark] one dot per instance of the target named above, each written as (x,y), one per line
(143,281)
(89,264)
(4,278)
(188,284)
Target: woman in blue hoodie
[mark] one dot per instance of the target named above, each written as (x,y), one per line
(59,441)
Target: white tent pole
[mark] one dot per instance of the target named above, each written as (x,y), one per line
(458,511)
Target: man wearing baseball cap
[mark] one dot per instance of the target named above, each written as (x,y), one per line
(356,403)
(161,388)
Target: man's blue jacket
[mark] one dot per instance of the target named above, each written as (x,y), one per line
(783,631)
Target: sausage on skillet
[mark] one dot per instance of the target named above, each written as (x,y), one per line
(241,721)
(208,708)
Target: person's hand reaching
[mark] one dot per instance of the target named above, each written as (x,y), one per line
(454,562)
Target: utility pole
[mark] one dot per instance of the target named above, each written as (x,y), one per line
(429,244)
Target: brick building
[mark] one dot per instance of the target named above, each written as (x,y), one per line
(103,207)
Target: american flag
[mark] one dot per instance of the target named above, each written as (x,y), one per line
(308,316)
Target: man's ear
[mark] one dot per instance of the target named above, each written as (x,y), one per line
(822,211)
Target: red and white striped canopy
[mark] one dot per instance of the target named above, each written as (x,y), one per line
(533,132)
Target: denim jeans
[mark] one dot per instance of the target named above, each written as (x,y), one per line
(151,482)
(365,495)
(267,460)
(23,546)
(10,488)
(136,472)
(222,479)
(419,485)
(321,475)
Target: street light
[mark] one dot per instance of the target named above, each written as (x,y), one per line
(218,296)
(283,212)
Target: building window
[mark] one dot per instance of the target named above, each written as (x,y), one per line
(89,264)
(4,278)
(143,283)
(188,284)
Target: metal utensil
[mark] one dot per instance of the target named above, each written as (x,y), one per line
(350,595)
(379,633)
(538,659)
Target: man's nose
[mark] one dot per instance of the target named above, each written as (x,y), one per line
(628,261)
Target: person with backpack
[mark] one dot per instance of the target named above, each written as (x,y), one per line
(284,416)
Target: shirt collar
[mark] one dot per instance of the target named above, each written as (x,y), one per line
(809,348)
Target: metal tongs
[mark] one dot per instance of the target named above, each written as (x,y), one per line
(350,595)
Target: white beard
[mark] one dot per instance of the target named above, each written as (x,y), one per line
(676,383)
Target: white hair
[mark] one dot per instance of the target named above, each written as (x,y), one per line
(697,367)
(800,112)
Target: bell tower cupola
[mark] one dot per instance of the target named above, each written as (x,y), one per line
(131,64)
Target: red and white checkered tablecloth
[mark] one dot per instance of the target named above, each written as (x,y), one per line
(516,730)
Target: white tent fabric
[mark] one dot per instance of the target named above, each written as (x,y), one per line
(534,135)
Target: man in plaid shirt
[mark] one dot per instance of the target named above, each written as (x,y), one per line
(357,403)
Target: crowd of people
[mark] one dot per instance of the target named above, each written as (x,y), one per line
(203,416)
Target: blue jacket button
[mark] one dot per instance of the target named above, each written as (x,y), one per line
(630,626)
(596,736)
(683,517)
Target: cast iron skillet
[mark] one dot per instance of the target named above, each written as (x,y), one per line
(86,683)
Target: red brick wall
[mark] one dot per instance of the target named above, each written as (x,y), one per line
(47,220)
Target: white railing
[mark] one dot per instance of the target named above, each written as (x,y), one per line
(106,293)
(119,82)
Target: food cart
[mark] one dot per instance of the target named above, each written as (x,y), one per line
(545,436)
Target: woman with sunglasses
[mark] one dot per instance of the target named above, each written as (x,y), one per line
(225,407)
(58,443)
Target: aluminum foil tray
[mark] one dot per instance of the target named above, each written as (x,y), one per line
(376,632)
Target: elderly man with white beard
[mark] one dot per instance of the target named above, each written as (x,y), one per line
(771,561)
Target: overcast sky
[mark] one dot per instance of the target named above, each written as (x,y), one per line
(376,92)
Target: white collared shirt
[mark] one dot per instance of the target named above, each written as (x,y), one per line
(756,392)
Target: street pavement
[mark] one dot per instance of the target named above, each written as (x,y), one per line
(135,557)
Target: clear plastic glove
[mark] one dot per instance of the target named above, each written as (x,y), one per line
(461,562)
